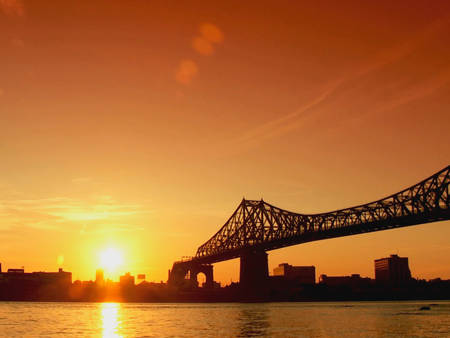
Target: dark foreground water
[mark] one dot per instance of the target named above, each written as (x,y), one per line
(362,319)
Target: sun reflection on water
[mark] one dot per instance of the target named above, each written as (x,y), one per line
(110,319)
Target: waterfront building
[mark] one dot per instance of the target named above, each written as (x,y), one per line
(99,277)
(302,274)
(19,276)
(126,280)
(393,269)
(353,280)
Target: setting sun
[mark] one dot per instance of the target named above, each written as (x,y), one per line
(111,259)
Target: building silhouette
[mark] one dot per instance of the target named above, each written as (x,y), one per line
(301,274)
(16,284)
(354,280)
(62,278)
(393,269)
(99,277)
(127,280)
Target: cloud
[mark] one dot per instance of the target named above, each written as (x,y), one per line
(416,92)
(12,7)
(14,216)
(82,180)
(52,213)
(109,229)
(175,234)
(186,71)
(345,87)
(286,123)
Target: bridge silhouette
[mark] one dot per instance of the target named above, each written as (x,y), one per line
(257,227)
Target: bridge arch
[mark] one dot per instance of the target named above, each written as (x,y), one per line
(206,270)
(201,279)
(181,270)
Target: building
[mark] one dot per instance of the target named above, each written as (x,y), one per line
(301,274)
(354,280)
(127,280)
(393,269)
(99,277)
(19,276)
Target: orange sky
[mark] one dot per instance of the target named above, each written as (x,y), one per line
(141,125)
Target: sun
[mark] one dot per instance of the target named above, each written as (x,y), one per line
(111,259)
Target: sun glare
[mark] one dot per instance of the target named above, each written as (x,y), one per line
(111,259)
(110,319)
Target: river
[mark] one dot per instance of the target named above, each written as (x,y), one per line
(347,319)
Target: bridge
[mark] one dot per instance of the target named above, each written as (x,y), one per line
(257,227)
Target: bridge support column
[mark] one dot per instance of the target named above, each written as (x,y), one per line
(254,271)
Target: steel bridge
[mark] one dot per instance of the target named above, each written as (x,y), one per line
(257,226)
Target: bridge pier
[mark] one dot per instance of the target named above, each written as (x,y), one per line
(254,271)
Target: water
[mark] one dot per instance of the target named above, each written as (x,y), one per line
(362,319)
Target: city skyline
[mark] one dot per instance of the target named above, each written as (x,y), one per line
(105,267)
(303,274)
(140,128)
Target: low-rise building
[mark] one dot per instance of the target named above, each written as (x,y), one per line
(18,276)
(353,280)
(127,280)
(301,274)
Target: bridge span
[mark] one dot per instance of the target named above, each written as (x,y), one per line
(257,227)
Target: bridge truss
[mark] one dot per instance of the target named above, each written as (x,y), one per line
(258,225)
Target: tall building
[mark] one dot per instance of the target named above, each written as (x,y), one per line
(302,274)
(99,277)
(392,269)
